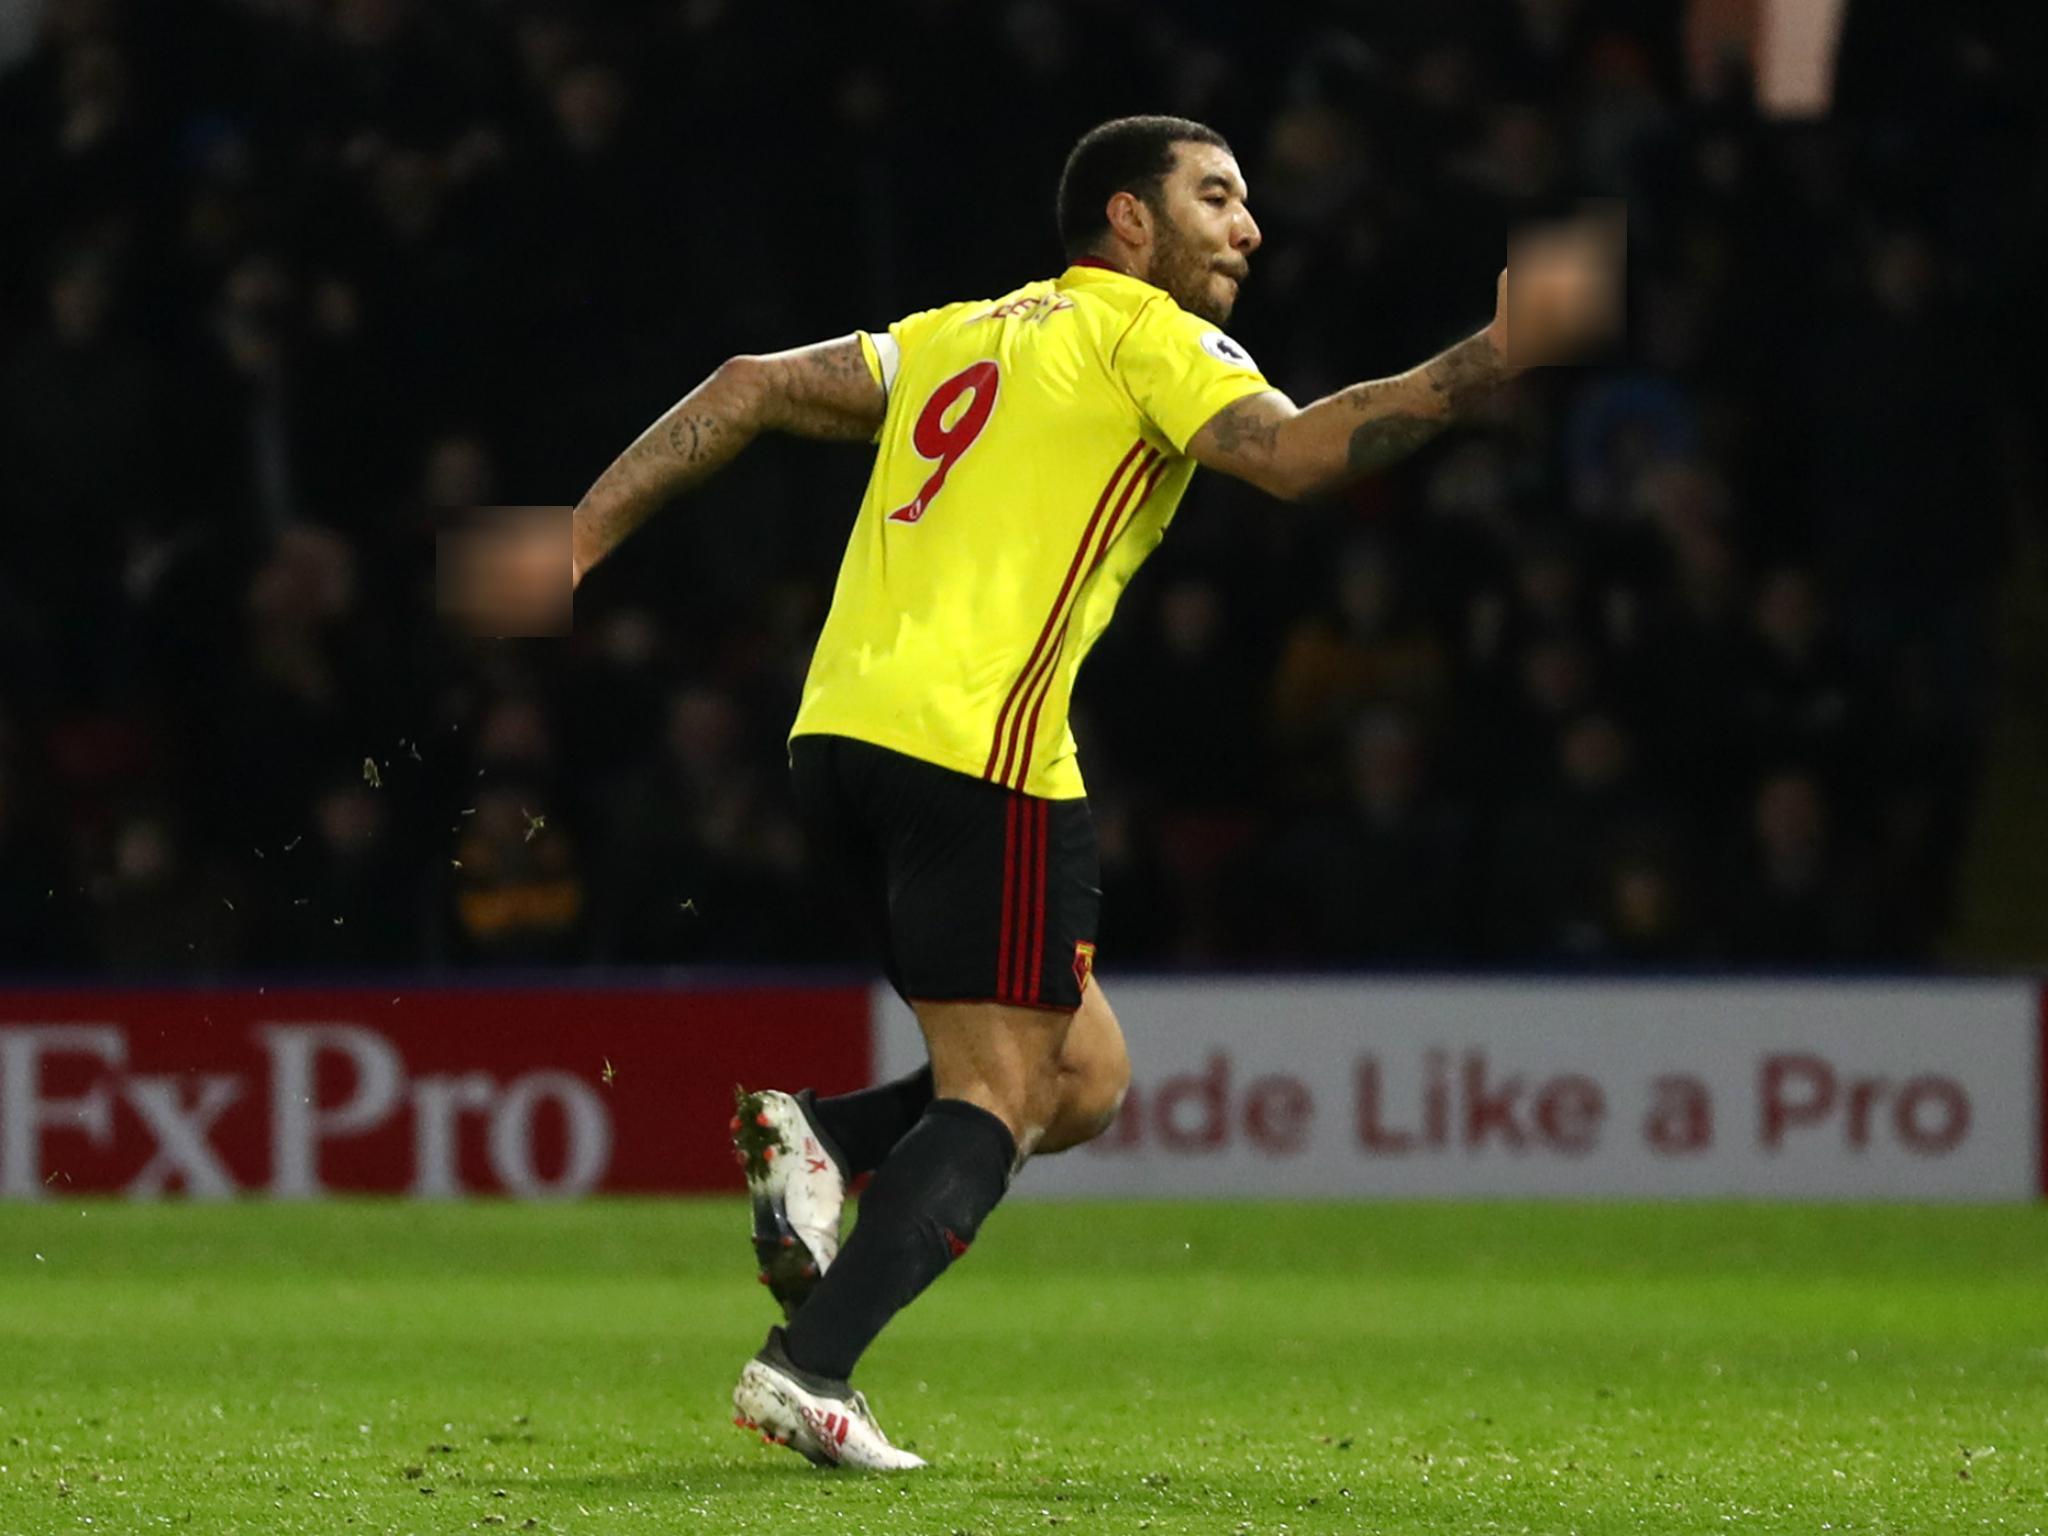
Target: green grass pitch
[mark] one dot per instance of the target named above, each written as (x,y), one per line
(366,1367)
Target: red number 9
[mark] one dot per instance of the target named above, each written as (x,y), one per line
(933,439)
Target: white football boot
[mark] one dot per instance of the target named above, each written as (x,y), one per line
(827,1422)
(797,1192)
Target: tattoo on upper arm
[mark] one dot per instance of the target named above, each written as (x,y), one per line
(843,360)
(1248,424)
(827,391)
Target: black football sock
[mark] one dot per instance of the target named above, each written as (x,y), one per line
(923,1209)
(858,1129)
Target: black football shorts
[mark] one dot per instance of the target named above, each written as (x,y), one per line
(977,892)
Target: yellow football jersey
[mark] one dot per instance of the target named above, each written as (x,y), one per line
(1031,457)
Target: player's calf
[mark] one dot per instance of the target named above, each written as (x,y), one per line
(994,1071)
(921,1213)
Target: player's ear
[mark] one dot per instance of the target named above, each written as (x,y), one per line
(1129,218)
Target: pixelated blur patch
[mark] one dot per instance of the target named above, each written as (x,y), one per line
(504,571)
(1567,285)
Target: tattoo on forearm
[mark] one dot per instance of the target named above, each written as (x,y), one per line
(1465,375)
(1456,382)
(1453,385)
(686,436)
(1388,439)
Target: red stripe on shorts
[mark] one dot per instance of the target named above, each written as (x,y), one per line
(1033,875)
(1038,904)
(1005,940)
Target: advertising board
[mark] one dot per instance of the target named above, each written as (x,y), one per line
(1877,1090)
(436,1092)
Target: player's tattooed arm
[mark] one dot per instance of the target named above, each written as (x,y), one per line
(1297,452)
(1397,416)
(1567,283)
(820,391)
(824,391)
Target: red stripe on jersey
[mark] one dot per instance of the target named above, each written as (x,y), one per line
(1052,666)
(995,746)
(1013,705)
(1040,680)
(1158,473)
(1109,533)
(1005,940)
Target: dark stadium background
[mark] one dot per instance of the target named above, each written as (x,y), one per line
(1726,652)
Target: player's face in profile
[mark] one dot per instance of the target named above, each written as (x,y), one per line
(1206,234)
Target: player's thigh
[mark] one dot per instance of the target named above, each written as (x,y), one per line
(1000,1056)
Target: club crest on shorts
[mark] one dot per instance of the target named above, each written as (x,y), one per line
(1084,963)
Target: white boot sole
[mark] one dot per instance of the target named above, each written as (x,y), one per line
(790,1263)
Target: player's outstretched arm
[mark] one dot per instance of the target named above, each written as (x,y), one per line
(1566,296)
(820,391)
(1296,452)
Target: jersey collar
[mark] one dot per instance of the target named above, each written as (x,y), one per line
(1084,269)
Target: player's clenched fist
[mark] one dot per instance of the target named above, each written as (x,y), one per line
(1561,295)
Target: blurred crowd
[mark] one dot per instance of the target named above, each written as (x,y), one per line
(1682,659)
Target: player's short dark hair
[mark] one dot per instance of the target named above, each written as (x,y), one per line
(1126,154)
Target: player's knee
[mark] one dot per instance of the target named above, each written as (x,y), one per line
(1044,1101)
(1119,1090)
(1096,1096)
(1026,1098)
(1111,1087)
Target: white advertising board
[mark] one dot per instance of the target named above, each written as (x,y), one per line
(1878,1090)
